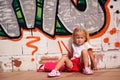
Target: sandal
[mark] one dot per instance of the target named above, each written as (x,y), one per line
(87,71)
(41,68)
(54,73)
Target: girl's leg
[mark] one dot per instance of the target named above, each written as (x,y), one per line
(92,57)
(85,59)
(64,60)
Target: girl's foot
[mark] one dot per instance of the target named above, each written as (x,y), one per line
(95,68)
(54,73)
(87,71)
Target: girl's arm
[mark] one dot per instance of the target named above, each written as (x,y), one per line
(70,54)
(92,57)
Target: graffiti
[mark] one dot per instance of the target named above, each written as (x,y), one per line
(99,57)
(29,44)
(117,22)
(53,17)
(8,21)
(65,46)
(61,47)
(80,4)
(16,62)
(109,42)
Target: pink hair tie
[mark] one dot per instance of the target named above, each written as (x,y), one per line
(75,29)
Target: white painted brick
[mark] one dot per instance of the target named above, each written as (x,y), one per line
(112,59)
(23,63)
(5,64)
(10,47)
(51,48)
(108,59)
(96,43)
(111,44)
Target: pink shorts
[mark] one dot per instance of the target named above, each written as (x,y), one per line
(77,65)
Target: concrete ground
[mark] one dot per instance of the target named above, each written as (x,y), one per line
(107,74)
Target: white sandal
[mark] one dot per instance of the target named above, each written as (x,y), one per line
(87,71)
(54,73)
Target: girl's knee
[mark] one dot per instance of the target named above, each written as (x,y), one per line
(64,57)
(84,52)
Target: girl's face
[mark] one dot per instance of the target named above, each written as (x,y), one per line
(79,39)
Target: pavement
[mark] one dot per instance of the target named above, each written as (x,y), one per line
(106,74)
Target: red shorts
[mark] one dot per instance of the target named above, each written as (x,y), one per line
(77,65)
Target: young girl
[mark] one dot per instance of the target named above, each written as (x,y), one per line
(78,59)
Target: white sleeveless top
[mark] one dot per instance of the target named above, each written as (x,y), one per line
(78,49)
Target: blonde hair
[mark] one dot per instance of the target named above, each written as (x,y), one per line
(77,31)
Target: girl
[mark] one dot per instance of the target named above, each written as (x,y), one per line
(78,59)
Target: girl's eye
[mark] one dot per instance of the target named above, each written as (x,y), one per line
(79,37)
